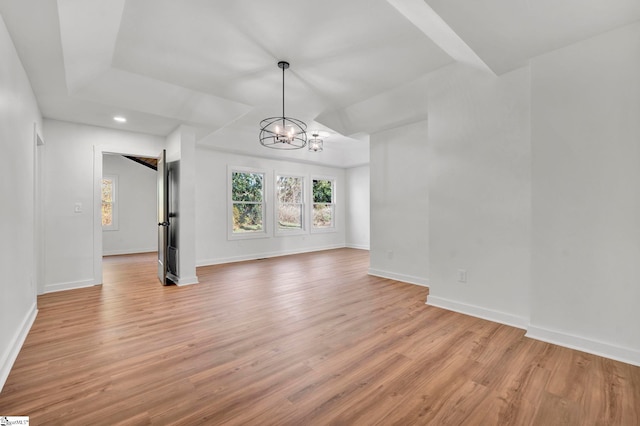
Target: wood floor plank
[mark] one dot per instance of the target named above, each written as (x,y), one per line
(309,339)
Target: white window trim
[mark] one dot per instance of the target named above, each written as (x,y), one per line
(114,204)
(333,228)
(305,216)
(265,204)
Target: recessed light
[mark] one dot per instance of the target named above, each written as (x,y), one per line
(120,119)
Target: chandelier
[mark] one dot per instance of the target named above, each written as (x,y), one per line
(315,144)
(283,132)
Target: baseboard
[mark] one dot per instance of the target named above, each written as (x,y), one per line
(13,347)
(478,312)
(254,256)
(399,277)
(359,246)
(617,353)
(51,288)
(132,251)
(607,350)
(187,281)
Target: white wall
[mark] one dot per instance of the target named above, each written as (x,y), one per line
(73,247)
(399,204)
(357,207)
(18,114)
(586,195)
(136,197)
(478,166)
(74,156)
(454,192)
(533,189)
(211,219)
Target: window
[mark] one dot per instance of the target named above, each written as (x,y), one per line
(109,203)
(323,204)
(247,203)
(289,204)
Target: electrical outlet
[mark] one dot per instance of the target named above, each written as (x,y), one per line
(462,275)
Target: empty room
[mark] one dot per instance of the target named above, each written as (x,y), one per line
(360,212)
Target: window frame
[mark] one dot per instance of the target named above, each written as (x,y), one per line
(303,208)
(264,233)
(114,202)
(333,204)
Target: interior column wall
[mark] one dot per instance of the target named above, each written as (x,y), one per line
(399,203)
(358,207)
(586,195)
(478,167)
(181,146)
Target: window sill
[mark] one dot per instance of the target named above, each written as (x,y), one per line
(291,233)
(247,236)
(323,230)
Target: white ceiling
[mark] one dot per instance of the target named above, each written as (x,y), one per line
(212,64)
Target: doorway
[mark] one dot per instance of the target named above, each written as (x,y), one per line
(133,207)
(129,205)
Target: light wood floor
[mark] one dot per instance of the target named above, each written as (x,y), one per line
(301,340)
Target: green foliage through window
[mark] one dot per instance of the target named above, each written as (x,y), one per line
(247,194)
(323,204)
(247,187)
(322,191)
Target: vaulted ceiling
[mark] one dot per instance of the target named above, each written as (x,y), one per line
(212,64)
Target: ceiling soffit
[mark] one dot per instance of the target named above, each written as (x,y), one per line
(212,65)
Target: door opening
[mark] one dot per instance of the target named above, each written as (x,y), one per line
(126,208)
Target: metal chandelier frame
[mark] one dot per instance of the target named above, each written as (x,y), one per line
(285,133)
